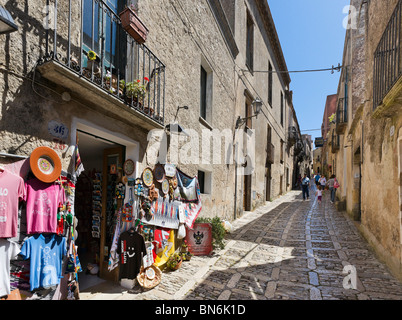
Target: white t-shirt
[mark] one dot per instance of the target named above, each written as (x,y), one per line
(8,250)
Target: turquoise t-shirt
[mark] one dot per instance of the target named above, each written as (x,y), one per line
(46,253)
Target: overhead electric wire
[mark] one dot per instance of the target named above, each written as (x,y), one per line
(333,69)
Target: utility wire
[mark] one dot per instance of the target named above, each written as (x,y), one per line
(333,69)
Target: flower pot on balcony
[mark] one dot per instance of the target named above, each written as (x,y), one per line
(133,25)
(133,101)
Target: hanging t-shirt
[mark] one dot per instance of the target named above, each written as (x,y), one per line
(46,254)
(8,250)
(11,191)
(42,204)
(131,249)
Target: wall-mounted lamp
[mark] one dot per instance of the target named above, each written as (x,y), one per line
(257,105)
(177,111)
(7,24)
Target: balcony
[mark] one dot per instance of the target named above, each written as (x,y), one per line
(387,87)
(270,154)
(88,52)
(335,142)
(292,136)
(341,116)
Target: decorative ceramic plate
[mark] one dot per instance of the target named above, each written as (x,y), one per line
(150,273)
(159,173)
(148,177)
(170,170)
(165,186)
(45,164)
(129,167)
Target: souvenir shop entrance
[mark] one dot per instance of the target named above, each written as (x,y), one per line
(96,201)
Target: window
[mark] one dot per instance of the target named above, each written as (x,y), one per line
(250,43)
(201,181)
(101,32)
(282,144)
(206,89)
(205,181)
(270,84)
(203,111)
(282,108)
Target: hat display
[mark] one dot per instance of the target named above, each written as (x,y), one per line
(150,277)
(45,164)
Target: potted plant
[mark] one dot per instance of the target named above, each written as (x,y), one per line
(92,61)
(186,256)
(174,262)
(133,25)
(135,91)
(218,231)
(184,247)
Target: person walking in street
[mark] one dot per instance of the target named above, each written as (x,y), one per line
(318,193)
(317,178)
(331,185)
(323,183)
(305,187)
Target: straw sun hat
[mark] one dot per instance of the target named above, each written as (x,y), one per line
(150,277)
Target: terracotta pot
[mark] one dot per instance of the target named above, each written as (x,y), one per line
(178,265)
(133,25)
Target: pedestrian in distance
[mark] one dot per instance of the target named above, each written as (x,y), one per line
(305,187)
(318,193)
(317,178)
(331,185)
(323,182)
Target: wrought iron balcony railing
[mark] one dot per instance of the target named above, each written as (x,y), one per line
(335,142)
(387,58)
(341,113)
(87,37)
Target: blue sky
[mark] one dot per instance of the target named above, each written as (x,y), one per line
(312,36)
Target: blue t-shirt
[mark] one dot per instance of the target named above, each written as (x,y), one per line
(46,253)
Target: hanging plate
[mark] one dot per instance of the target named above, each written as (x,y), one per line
(159,173)
(150,273)
(170,170)
(129,167)
(165,186)
(45,164)
(148,177)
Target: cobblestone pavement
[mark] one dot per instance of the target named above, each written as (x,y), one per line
(288,250)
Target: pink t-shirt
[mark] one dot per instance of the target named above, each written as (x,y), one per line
(42,204)
(11,191)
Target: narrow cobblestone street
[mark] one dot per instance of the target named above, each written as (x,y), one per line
(289,250)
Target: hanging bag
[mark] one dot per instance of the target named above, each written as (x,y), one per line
(336,184)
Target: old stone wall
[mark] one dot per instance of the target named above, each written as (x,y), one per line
(184,35)
(380,213)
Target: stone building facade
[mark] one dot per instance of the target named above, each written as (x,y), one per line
(204,64)
(368,130)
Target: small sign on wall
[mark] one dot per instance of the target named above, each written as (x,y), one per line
(58,130)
